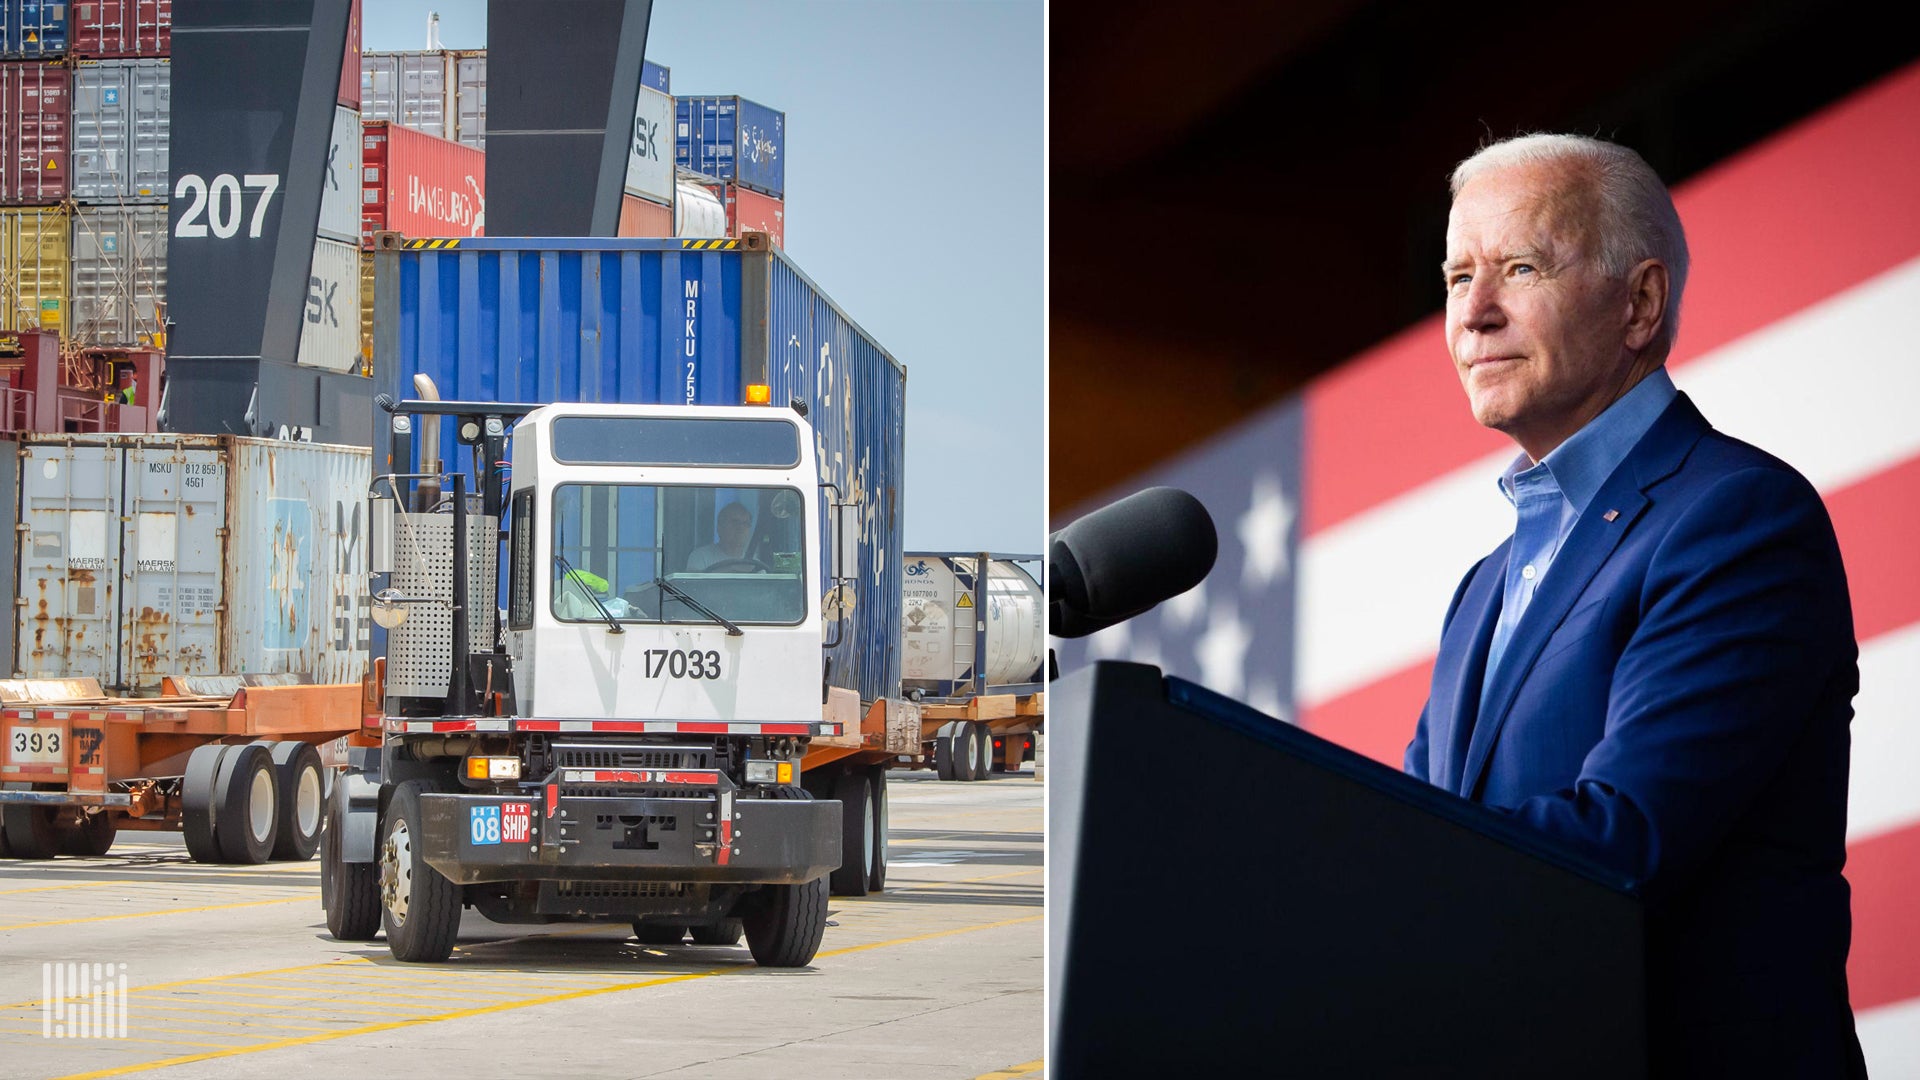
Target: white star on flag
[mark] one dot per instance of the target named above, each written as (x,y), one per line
(1181,612)
(1222,651)
(1263,533)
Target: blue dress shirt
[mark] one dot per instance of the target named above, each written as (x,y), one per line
(1549,497)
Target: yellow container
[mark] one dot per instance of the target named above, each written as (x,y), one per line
(34,268)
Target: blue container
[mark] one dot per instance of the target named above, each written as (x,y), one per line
(664,321)
(731,138)
(33,28)
(656,76)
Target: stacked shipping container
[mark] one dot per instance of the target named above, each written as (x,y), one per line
(739,147)
(84,186)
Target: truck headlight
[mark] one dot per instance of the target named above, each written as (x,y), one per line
(493,768)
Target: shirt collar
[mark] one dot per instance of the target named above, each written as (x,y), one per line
(1581,464)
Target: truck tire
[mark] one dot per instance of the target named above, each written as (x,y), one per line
(724,932)
(943,749)
(420,908)
(350,892)
(784,928)
(982,751)
(877,868)
(858,833)
(196,801)
(650,933)
(31,831)
(966,751)
(301,806)
(93,836)
(245,824)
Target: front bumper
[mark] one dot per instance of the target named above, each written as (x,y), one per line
(599,838)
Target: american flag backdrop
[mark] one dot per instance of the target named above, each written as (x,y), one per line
(1348,514)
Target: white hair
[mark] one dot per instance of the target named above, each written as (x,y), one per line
(1637,220)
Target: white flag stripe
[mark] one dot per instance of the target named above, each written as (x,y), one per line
(1890,1039)
(1881,792)
(1834,390)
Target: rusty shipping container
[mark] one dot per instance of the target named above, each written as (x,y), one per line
(350,62)
(442,93)
(749,211)
(35,132)
(119,275)
(142,556)
(106,28)
(642,217)
(33,268)
(420,185)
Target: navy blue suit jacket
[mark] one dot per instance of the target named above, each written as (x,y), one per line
(1675,703)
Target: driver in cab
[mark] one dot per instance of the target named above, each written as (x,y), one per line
(735,527)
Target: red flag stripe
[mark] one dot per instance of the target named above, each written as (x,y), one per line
(1885,874)
(1819,208)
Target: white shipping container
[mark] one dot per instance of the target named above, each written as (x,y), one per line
(143,556)
(121,129)
(330,321)
(650,148)
(441,92)
(119,274)
(340,183)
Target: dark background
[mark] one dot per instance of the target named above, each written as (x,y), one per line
(1243,195)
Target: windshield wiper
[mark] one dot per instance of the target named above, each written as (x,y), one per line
(613,624)
(680,594)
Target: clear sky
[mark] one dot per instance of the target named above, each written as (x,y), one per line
(914,199)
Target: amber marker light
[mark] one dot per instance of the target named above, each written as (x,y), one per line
(759,394)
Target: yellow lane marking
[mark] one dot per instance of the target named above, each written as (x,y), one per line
(211,978)
(169,911)
(484,1010)
(881,898)
(242,998)
(1012,1072)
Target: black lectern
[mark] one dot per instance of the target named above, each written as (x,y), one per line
(1229,895)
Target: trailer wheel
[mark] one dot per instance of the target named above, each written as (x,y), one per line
(857,833)
(302,804)
(31,831)
(877,868)
(943,750)
(724,932)
(420,908)
(196,802)
(92,837)
(785,927)
(350,892)
(245,824)
(652,933)
(982,751)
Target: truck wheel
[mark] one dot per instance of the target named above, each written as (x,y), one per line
(301,805)
(857,833)
(651,933)
(350,892)
(420,907)
(982,751)
(724,932)
(785,927)
(943,748)
(92,837)
(966,751)
(244,822)
(877,869)
(31,831)
(196,802)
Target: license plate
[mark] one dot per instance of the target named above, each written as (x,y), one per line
(36,746)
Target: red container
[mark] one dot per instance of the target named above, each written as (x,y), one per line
(639,217)
(36,103)
(350,63)
(110,28)
(750,211)
(419,184)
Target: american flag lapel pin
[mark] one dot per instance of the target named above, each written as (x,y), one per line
(1610,515)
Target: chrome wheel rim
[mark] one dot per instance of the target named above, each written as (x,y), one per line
(396,871)
(306,806)
(260,806)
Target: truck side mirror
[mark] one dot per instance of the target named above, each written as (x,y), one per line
(846,541)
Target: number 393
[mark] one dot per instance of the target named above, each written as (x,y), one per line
(683,664)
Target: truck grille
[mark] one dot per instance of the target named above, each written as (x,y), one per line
(575,756)
(595,791)
(620,890)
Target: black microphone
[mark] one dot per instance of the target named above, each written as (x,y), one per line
(1124,558)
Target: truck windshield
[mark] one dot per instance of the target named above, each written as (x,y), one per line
(739,551)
